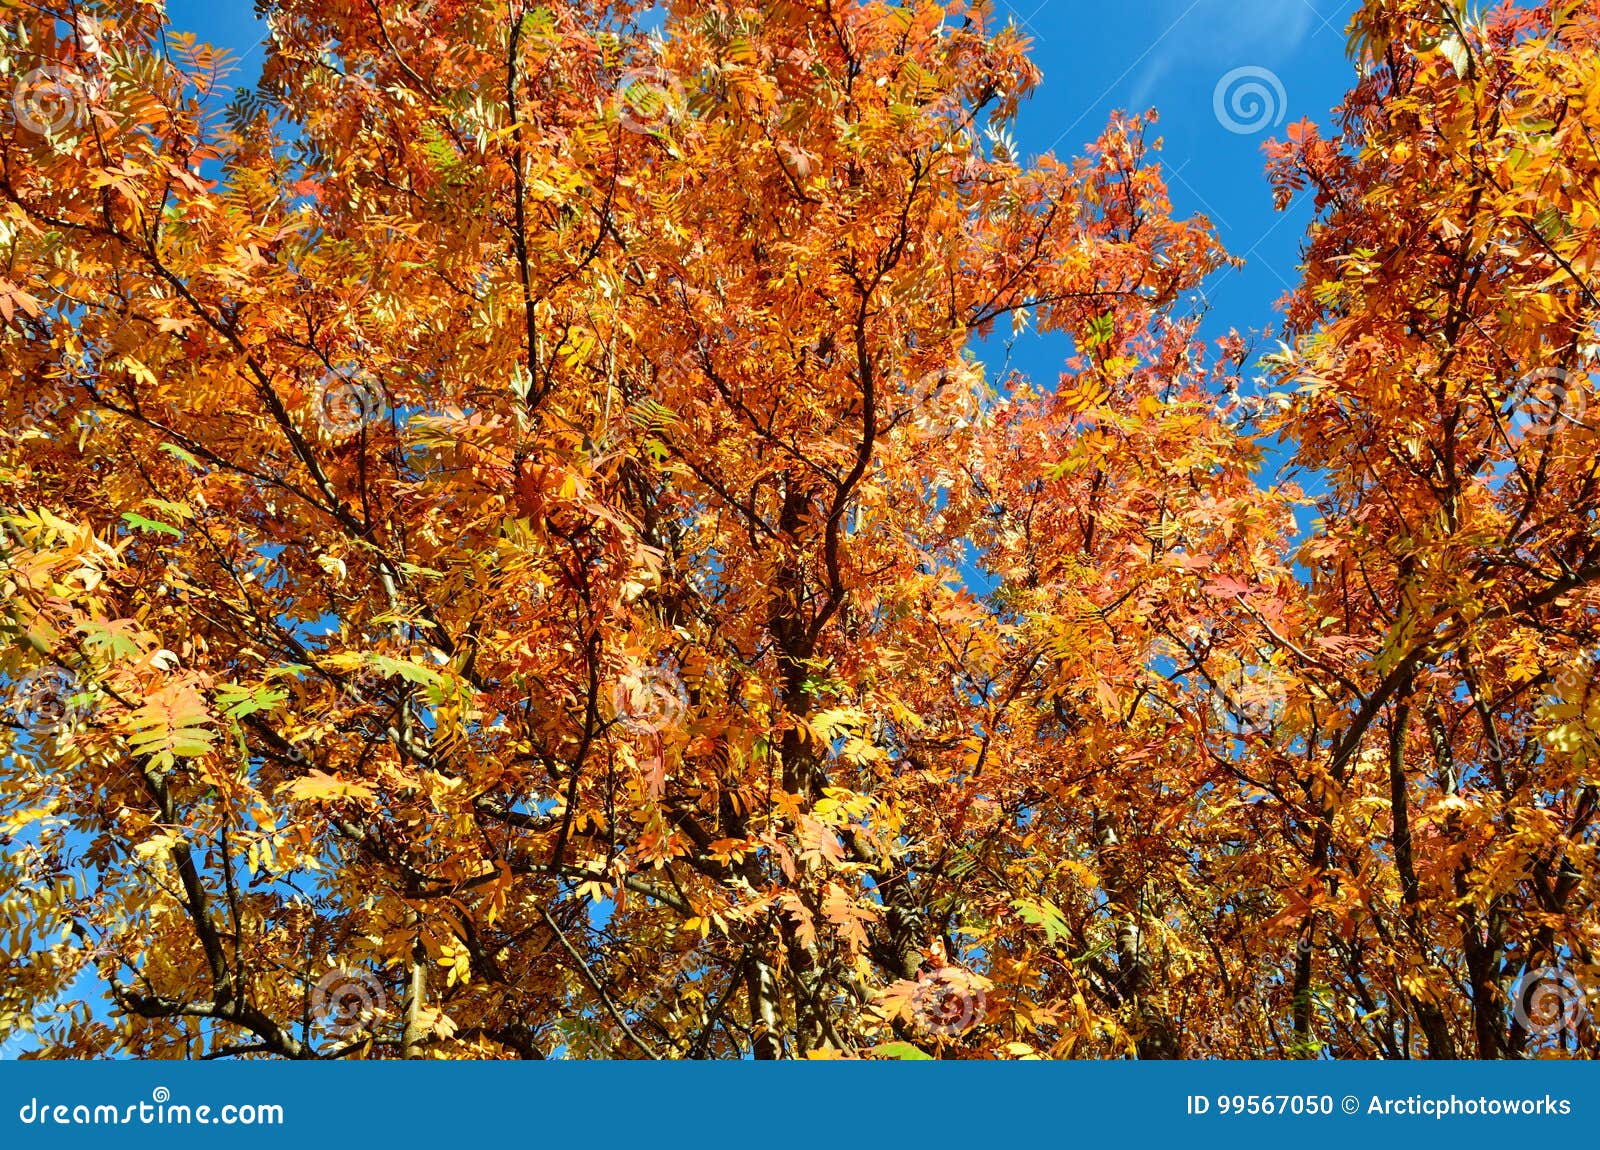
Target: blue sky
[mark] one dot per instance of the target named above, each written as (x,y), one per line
(1174,55)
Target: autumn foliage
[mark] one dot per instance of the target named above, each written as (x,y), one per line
(512,550)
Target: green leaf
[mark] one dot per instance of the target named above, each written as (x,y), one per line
(438,686)
(411,672)
(119,638)
(1101,329)
(1042,914)
(903,1051)
(238,701)
(1551,223)
(179,453)
(140,523)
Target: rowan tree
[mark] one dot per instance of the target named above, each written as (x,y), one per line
(1444,373)
(512,549)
